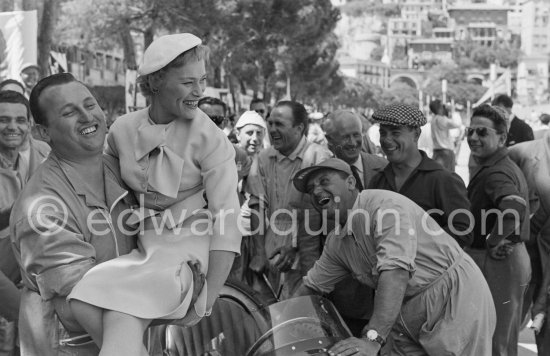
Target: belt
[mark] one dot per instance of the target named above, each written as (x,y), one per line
(171,217)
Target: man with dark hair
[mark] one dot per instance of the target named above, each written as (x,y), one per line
(518,130)
(441,124)
(62,222)
(498,194)
(215,109)
(16,167)
(410,172)
(15,171)
(259,106)
(12,84)
(285,246)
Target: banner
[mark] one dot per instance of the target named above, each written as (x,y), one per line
(502,85)
(58,62)
(18,42)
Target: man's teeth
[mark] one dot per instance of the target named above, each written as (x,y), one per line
(192,103)
(324,200)
(13,135)
(88,130)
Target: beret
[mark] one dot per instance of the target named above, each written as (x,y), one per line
(399,115)
(302,176)
(164,50)
(250,117)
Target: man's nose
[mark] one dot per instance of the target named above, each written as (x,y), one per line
(86,115)
(12,125)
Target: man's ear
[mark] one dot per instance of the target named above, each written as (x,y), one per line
(502,139)
(351,183)
(43,132)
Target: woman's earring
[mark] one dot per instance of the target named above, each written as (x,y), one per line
(155,91)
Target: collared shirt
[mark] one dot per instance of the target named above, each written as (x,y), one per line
(384,231)
(270,182)
(12,181)
(166,163)
(60,229)
(495,178)
(433,187)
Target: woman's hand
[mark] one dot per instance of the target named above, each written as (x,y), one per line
(198,280)
(355,346)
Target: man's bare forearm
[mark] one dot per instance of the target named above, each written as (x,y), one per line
(305,290)
(388,300)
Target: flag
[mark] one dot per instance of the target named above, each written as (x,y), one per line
(58,62)
(502,85)
(18,44)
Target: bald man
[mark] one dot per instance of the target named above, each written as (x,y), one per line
(344,135)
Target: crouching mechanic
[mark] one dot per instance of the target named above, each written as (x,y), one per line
(430,295)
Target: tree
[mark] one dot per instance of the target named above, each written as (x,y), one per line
(470,52)
(398,94)
(46,29)
(256,43)
(356,94)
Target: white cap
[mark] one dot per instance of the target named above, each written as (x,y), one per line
(250,117)
(165,49)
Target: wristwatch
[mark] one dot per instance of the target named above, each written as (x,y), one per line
(373,336)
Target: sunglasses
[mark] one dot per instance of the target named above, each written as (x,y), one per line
(481,131)
(217,119)
(260,111)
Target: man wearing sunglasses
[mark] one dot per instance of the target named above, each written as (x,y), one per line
(498,194)
(216,110)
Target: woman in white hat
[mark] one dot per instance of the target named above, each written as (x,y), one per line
(173,157)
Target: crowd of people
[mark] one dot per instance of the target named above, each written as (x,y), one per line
(105,232)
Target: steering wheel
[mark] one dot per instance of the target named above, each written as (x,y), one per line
(303,321)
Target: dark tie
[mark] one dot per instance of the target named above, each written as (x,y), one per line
(357,177)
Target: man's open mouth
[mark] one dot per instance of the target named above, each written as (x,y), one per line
(89,130)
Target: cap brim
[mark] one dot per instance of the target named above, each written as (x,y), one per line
(302,177)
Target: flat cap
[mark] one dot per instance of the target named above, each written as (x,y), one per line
(164,50)
(302,177)
(399,115)
(250,117)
